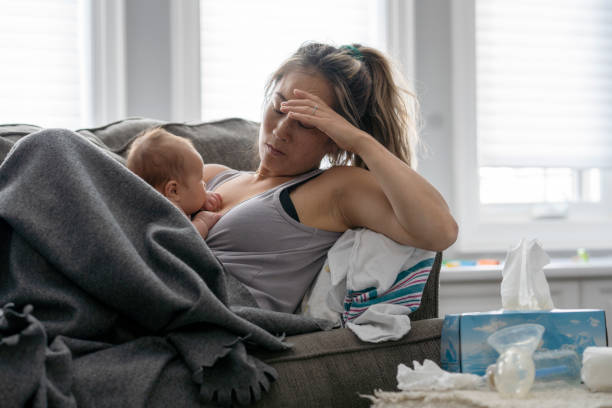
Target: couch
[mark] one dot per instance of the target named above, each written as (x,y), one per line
(322,369)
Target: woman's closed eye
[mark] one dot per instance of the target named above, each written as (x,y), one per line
(279,112)
(305,127)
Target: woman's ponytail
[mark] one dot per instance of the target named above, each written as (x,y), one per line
(391,115)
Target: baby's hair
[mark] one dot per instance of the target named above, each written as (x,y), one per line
(155,158)
(369,92)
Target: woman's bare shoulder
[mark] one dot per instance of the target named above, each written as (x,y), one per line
(319,202)
(211,170)
(345,176)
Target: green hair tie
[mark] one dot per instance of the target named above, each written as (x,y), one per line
(355,53)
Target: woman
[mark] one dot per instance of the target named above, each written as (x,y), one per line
(105,281)
(342,103)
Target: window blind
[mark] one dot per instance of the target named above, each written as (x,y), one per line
(244,41)
(40,62)
(544,83)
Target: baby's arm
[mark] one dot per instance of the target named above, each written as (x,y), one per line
(204,221)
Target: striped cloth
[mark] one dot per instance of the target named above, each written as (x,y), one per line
(407,290)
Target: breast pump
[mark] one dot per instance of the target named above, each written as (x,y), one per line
(518,367)
(514,372)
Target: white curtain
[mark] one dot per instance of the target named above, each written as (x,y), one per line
(42,67)
(544,83)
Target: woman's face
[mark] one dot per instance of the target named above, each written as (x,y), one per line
(286,147)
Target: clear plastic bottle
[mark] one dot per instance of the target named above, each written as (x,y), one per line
(516,372)
(557,366)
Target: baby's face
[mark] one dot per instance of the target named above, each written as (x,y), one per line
(192,189)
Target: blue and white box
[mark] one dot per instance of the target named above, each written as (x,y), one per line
(464,347)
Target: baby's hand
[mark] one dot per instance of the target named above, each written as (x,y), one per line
(213,202)
(204,221)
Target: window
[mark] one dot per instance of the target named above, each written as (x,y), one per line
(62,62)
(43,62)
(532,111)
(242,44)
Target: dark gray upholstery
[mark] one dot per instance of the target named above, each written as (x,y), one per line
(231,141)
(323,368)
(331,369)
(429,302)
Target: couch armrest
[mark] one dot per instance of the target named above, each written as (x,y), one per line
(331,368)
(429,301)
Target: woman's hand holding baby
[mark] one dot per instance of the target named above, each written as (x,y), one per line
(204,221)
(208,215)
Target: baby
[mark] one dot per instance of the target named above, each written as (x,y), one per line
(174,168)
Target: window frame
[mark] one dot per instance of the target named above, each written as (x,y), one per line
(498,228)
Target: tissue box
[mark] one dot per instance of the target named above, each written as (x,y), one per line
(464,346)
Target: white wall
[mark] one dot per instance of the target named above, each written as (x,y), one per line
(433,83)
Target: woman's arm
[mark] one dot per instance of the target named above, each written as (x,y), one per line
(395,200)
(391,198)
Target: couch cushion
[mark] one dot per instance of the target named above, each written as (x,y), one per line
(115,137)
(231,142)
(14,132)
(331,369)
(118,135)
(10,133)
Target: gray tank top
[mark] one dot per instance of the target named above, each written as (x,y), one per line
(273,255)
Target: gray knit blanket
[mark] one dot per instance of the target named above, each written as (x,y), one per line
(109,295)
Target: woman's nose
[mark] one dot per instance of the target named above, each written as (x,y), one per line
(281,129)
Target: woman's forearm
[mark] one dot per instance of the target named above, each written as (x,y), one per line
(417,205)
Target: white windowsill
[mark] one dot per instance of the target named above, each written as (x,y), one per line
(557,269)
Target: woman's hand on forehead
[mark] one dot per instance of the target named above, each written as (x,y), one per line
(312,111)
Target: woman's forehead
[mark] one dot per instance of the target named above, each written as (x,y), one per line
(312,82)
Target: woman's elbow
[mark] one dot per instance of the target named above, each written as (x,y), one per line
(446,236)
(450,235)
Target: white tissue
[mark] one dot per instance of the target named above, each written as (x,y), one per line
(596,370)
(430,377)
(524,285)
(381,322)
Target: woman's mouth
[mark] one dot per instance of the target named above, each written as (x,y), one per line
(273,151)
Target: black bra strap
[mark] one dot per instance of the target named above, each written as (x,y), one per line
(286,202)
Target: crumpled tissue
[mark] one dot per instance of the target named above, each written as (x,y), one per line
(524,285)
(430,377)
(381,322)
(596,370)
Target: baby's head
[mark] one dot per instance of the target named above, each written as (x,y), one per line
(172,166)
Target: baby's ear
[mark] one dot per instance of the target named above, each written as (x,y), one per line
(170,189)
